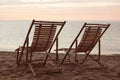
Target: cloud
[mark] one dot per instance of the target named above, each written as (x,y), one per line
(11,2)
(60,9)
(59,3)
(14,2)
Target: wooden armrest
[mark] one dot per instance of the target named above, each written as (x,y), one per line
(20,48)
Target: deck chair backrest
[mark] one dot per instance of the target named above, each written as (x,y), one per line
(43,37)
(92,34)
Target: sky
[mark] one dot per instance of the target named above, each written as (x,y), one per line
(60,9)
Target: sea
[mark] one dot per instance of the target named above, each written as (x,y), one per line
(13,33)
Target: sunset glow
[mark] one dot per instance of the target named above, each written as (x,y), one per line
(60,9)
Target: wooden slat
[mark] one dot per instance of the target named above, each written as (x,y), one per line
(43,36)
(41,47)
(96,25)
(87,43)
(89,38)
(44,32)
(42,39)
(44,29)
(92,29)
(53,27)
(48,23)
(42,42)
(45,26)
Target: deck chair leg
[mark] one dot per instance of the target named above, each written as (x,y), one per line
(26,57)
(76,57)
(31,68)
(57,56)
(64,58)
(96,61)
(99,50)
(87,54)
(17,57)
(45,59)
(31,54)
(48,55)
(93,59)
(69,57)
(76,51)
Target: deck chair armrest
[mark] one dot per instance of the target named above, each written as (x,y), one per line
(20,48)
(16,50)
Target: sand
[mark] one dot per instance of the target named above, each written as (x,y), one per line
(70,71)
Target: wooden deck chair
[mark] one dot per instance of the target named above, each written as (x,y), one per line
(45,36)
(91,36)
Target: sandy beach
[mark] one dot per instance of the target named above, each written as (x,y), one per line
(71,27)
(71,71)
